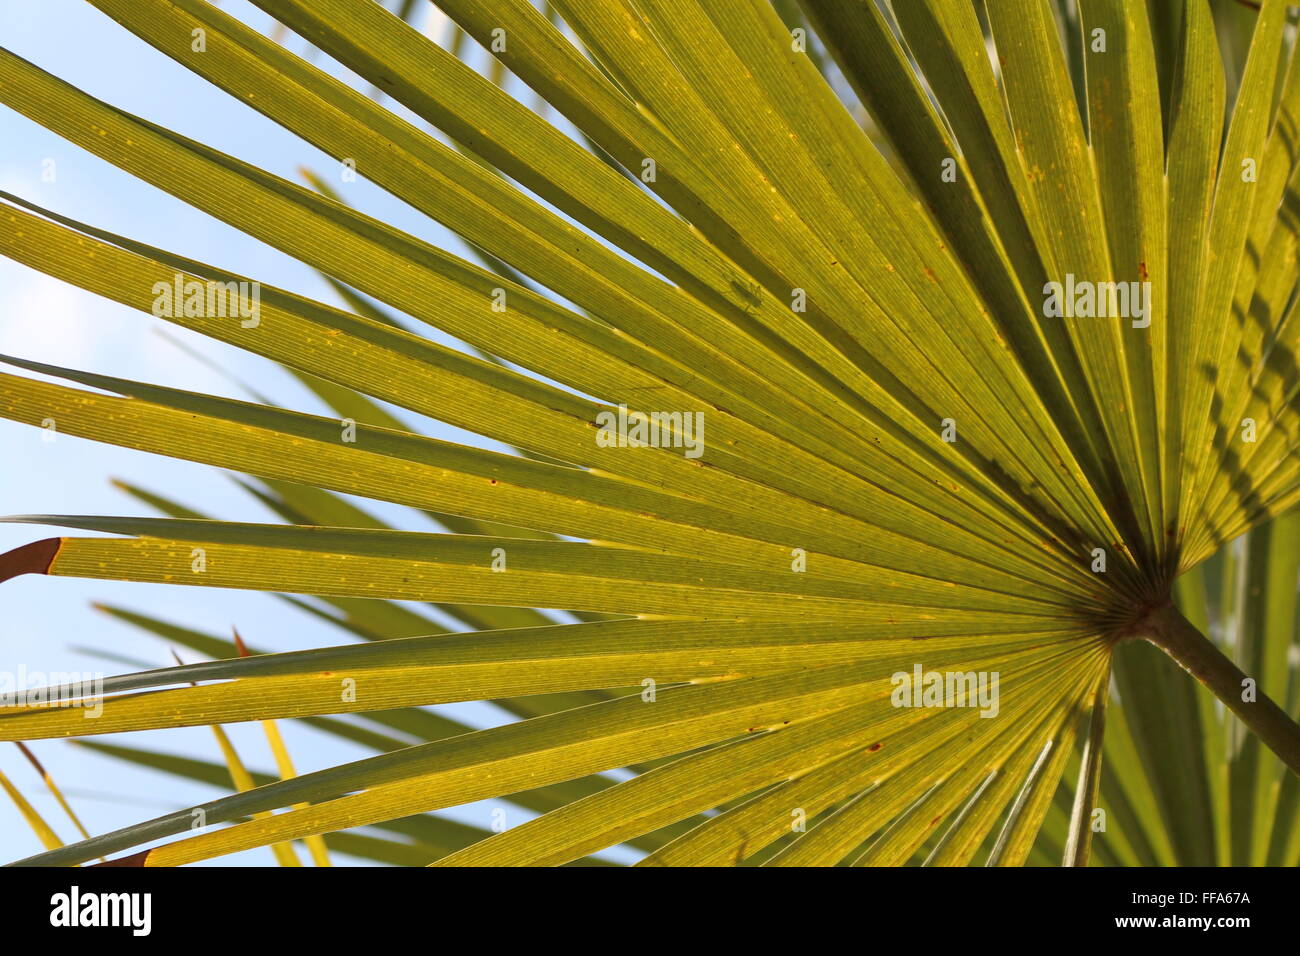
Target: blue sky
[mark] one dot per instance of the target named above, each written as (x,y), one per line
(43,621)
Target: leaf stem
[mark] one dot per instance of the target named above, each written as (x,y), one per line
(1167,629)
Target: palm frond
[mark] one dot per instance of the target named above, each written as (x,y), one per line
(878,455)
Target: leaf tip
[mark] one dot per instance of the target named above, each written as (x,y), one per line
(135,859)
(34,558)
(31,757)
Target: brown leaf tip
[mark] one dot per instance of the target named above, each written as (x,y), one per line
(135,859)
(34,558)
(31,757)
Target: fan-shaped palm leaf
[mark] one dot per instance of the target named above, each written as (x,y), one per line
(908,462)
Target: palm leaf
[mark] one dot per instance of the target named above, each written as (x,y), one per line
(910,465)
